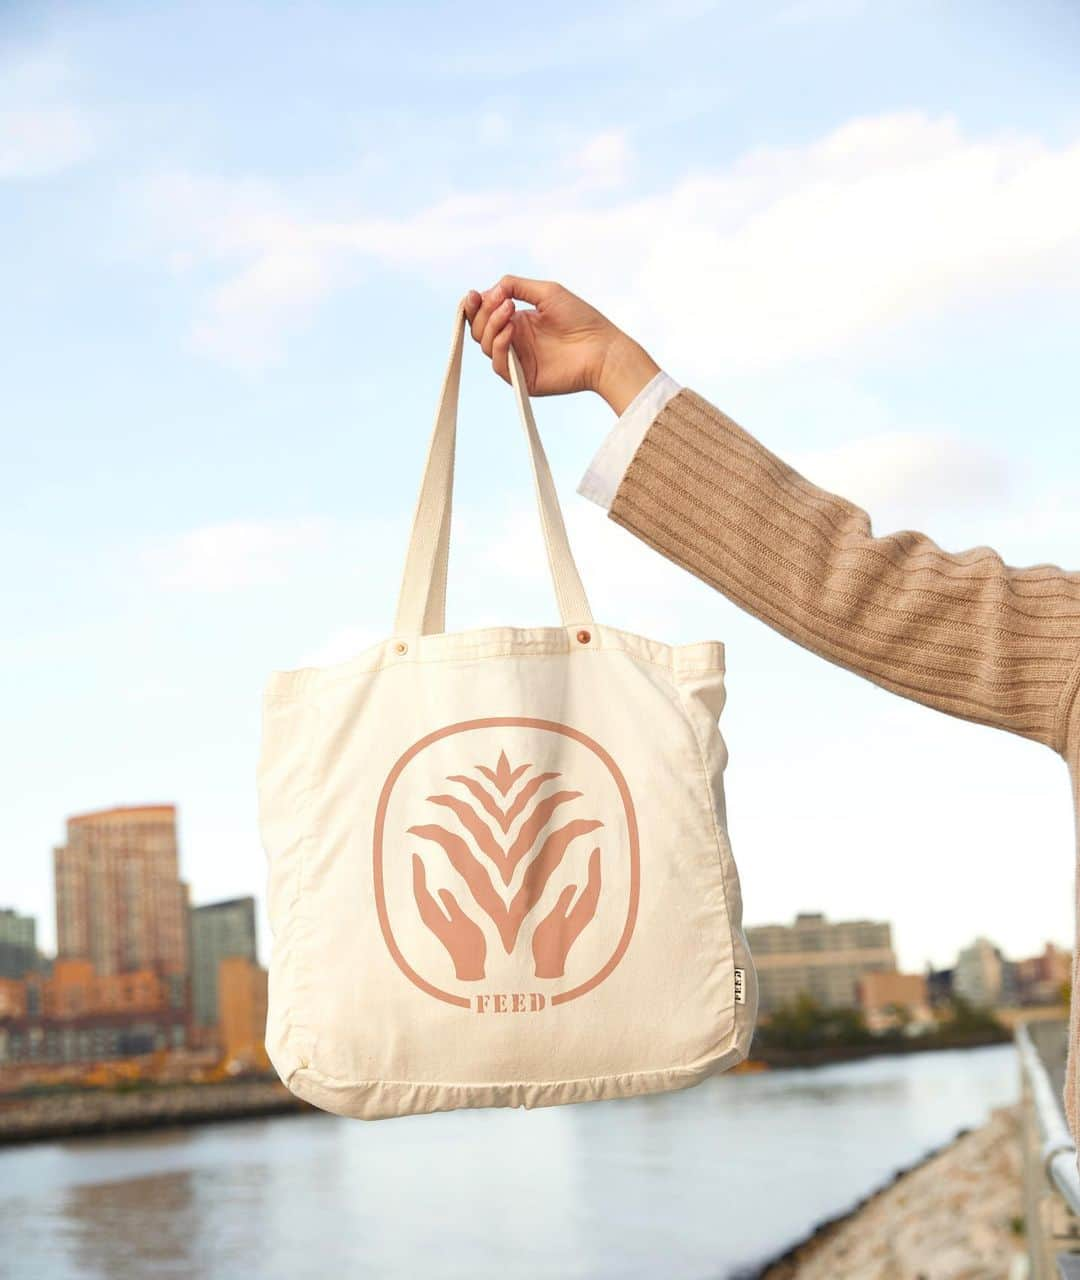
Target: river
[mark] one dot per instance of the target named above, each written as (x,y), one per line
(697,1185)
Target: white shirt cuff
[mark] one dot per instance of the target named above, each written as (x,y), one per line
(605,471)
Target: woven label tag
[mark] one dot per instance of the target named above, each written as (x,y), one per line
(740,988)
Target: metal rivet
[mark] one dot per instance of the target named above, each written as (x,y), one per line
(401,647)
(584,637)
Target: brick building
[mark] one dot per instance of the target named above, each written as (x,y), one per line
(78,1015)
(890,1000)
(120,902)
(242,1009)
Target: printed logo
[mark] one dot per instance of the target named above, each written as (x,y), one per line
(506,864)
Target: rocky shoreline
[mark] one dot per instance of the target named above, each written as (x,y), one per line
(77,1112)
(955,1214)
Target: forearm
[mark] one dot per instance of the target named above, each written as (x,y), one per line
(624,370)
(964,633)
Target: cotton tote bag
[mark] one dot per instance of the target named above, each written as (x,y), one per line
(499,871)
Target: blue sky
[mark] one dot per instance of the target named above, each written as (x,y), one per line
(233,239)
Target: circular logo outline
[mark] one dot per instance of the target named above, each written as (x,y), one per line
(488,722)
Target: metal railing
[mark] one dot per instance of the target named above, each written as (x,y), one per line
(1050,1175)
(1058,1147)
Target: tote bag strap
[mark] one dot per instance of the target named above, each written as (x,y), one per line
(422,603)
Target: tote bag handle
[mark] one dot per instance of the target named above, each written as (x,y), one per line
(422,603)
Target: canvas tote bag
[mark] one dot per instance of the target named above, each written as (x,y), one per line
(499,871)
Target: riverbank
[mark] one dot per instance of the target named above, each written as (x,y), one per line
(70,1112)
(953,1215)
(77,1112)
(777,1058)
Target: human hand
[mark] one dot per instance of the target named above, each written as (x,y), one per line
(461,937)
(564,345)
(562,927)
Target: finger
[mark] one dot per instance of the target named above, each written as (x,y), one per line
(500,352)
(495,322)
(451,905)
(533,291)
(419,881)
(489,300)
(429,908)
(471,303)
(585,907)
(592,886)
(562,905)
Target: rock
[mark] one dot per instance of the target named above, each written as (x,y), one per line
(948,1218)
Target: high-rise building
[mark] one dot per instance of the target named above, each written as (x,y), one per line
(120,902)
(18,944)
(218,929)
(821,958)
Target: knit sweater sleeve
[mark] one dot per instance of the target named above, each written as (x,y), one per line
(962,632)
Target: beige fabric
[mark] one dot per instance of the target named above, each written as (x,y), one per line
(499,871)
(960,631)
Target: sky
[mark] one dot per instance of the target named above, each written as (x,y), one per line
(233,238)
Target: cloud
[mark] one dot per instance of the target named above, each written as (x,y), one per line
(341,645)
(42,133)
(603,162)
(1049,525)
(919,470)
(787,254)
(233,555)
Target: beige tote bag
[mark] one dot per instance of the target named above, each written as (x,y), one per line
(499,873)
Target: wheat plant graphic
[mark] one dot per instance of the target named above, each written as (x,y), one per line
(484,844)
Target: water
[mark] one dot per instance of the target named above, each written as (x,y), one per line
(683,1186)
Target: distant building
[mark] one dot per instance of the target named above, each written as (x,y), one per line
(18,944)
(218,929)
(824,959)
(77,1015)
(890,1000)
(12,998)
(979,976)
(1041,979)
(939,985)
(1010,982)
(242,1009)
(120,902)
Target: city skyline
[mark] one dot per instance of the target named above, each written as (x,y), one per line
(229,918)
(138,969)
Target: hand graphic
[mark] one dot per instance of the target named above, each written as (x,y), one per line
(560,929)
(461,937)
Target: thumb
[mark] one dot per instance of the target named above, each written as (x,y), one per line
(534,291)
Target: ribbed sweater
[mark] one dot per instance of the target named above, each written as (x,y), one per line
(963,632)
